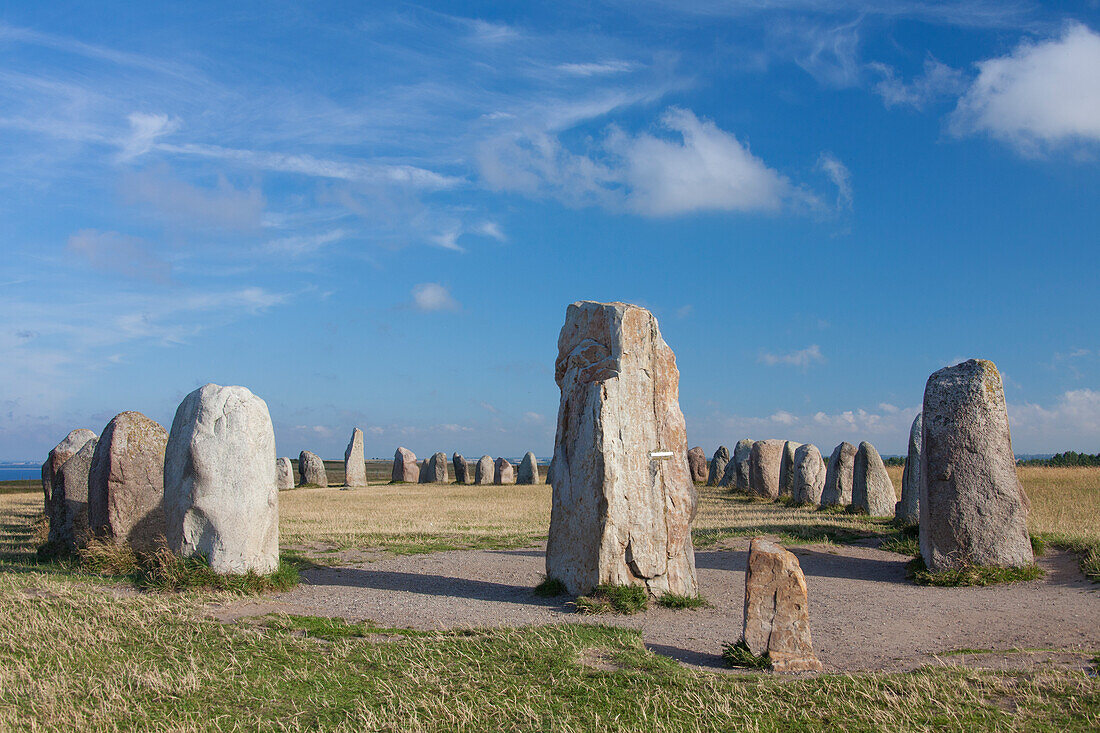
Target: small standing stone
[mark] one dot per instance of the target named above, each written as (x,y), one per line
(809,475)
(60,453)
(786,469)
(435,469)
(718,465)
(777,612)
(528,472)
(355,465)
(764,460)
(462,469)
(697,462)
(405,469)
(69,499)
(503,473)
(284,474)
(907,511)
(872,489)
(485,471)
(741,453)
(311,470)
(838,476)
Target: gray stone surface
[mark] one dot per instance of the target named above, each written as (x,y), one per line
(462,470)
(284,474)
(503,472)
(485,471)
(764,461)
(435,469)
(355,465)
(838,476)
(741,453)
(717,467)
(311,469)
(60,453)
(697,464)
(528,471)
(907,510)
(973,509)
(729,476)
(872,489)
(69,499)
(618,514)
(220,499)
(126,483)
(809,475)
(786,469)
(405,468)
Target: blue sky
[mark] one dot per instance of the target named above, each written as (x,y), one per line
(375,215)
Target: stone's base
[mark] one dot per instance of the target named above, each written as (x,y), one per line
(796,664)
(777,614)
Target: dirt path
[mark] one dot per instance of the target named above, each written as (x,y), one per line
(864,614)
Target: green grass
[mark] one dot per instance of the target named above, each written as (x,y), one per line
(902,546)
(335,629)
(738,655)
(675,600)
(786,534)
(549,588)
(416,544)
(980,575)
(1087,551)
(624,599)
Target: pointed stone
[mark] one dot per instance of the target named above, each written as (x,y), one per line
(740,460)
(907,511)
(405,469)
(528,471)
(60,453)
(872,489)
(777,612)
(69,527)
(838,476)
(786,469)
(717,467)
(311,470)
(355,464)
(503,472)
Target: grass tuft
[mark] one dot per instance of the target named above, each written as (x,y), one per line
(1038,545)
(902,546)
(738,655)
(969,575)
(675,600)
(549,588)
(165,571)
(625,599)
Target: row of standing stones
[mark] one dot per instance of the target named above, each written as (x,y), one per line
(623,497)
(486,471)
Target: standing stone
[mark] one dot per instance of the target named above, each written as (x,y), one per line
(462,469)
(777,612)
(422,472)
(528,472)
(718,465)
(220,499)
(405,469)
(872,489)
(485,471)
(697,463)
(62,452)
(741,453)
(907,511)
(69,499)
(311,469)
(764,461)
(284,474)
(435,469)
(809,475)
(126,483)
(973,509)
(786,469)
(729,478)
(503,472)
(838,476)
(355,464)
(619,515)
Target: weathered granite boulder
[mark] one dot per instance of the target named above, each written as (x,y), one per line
(764,461)
(311,469)
(907,510)
(355,464)
(484,471)
(462,469)
(838,476)
(126,483)
(741,453)
(503,472)
(973,509)
(60,453)
(405,468)
(619,515)
(435,469)
(220,499)
(718,465)
(284,474)
(809,475)
(69,499)
(872,489)
(777,612)
(786,469)
(729,476)
(528,471)
(697,464)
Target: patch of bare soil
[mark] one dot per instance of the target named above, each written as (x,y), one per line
(864,613)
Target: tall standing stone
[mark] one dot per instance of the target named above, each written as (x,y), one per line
(485,471)
(838,476)
(220,499)
(809,475)
(619,515)
(697,464)
(740,460)
(435,469)
(764,461)
(60,453)
(355,464)
(462,469)
(503,472)
(973,509)
(907,510)
(69,499)
(777,612)
(311,470)
(284,474)
(786,469)
(872,489)
(126,483)
(718,465)
(405,469)
(528,471)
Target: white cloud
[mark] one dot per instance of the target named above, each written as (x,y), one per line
(488,407)
(684,311)
(194,207)
(490,229)
(1071,423)
(841,177)
(533,417)
(144,131)
(114,252)
(802,358)
(938,81)
(448,240)
(597,69)
(1042,94)
(298,245)
(433,297)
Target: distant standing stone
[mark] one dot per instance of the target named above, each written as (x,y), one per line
(764,462)
(462,469)
(786,469)
(718,465)
(838,476)
(435,469)
(311,469)
(69,499)
(973,509)
(809,475)
(485,471)
(872,489)
(907,511)
(741,453)
(126,483)
(355,465)
(528,471)
(60,453)
(503,472)
(697,463)
(405,469)
(777,612)
(284,474)
(220,499)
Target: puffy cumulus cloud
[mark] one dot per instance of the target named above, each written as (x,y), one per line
(1071,423)
(430,297)
(1043,94)
(802,358)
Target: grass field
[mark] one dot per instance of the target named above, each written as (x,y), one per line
(79,652)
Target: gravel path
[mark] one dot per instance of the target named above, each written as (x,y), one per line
(864,614)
